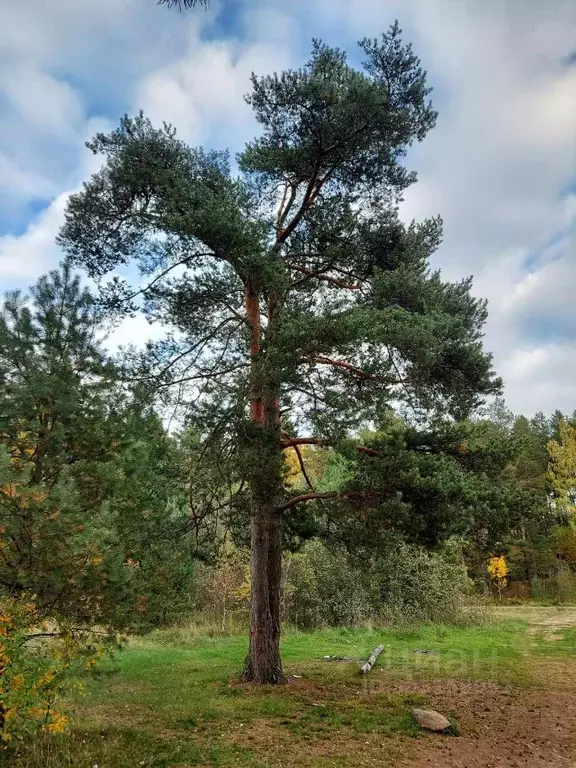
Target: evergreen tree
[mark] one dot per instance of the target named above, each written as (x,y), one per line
(152,523)
(93,505)
(59,443)
(530,464)
(431,485)
(556,421)
(562,466)
(297,294)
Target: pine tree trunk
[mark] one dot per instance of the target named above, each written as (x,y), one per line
(263,663)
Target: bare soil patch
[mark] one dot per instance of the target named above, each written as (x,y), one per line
(503,727)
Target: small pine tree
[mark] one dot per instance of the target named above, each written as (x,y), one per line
(562,466)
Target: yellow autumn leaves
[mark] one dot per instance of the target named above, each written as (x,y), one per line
(37,662)
(498,571)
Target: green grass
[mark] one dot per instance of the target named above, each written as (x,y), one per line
(173,699)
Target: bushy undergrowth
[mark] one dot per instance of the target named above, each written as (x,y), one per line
(407,585)
(419,586)
(322,587)
(559,588)
(39,661)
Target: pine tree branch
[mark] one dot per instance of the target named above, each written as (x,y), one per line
(309,197)
(306,497)
(314,496)
(321,360)
(285,205)
(292,442)
(369,451)
(199,344)
(303,468)
(204,375)
(181,4)
(319,275)
(164,272)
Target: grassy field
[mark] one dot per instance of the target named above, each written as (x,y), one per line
(173,699)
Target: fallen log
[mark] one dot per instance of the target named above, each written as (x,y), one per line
(367,666)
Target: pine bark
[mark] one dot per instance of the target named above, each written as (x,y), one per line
(263,663)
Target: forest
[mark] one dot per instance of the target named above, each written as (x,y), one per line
(318,444)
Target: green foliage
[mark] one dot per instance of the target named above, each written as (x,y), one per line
(405,584)
(59,435)
(321,588)
(562,467)
(429,485)
(92,491)
(333,138)
(558,588)
(419,586)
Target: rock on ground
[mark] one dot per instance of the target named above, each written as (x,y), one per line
(430,719)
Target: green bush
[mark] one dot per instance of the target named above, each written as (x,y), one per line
(565,581)
(407,585)
(420,586)
(559,588)
(320,588)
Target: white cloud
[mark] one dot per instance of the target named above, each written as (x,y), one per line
(22,183)
(42,102)
(23,259)
(134,330)
(541,378)
(201,92)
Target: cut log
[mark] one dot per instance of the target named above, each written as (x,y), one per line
(372,659)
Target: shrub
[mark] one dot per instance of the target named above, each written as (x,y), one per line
(565,581)
(39,661)
(321,588)
(223,590)
(419,586)
(324,586)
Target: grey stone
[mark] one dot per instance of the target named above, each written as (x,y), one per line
(430,719)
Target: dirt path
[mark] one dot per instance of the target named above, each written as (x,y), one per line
(505,727)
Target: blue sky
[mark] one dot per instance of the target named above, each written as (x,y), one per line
(500,167)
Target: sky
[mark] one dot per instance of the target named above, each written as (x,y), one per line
(500,167)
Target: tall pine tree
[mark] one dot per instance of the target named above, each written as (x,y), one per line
(297,295)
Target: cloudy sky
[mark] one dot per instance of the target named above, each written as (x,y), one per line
(500,167)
